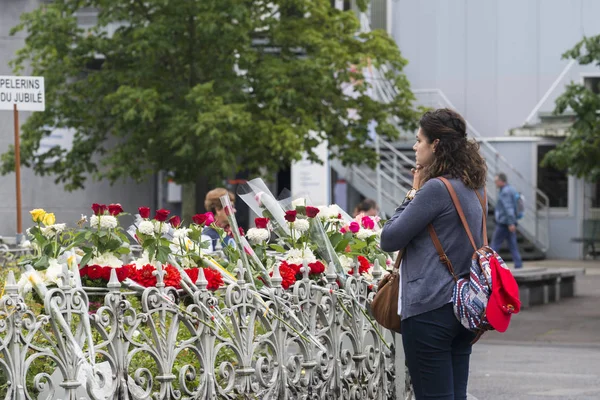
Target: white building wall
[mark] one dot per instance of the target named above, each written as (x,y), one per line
(42,192)
(495,61)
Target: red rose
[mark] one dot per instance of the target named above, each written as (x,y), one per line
(317,267)
(94,272)
(261,223)
(115,209)
(214,278)
(199,219)
(192,273)
(144,212)
(105,273)
(204,219)
(367,222)
(144,276)
(175,221)
(364,264)
(228,210)
(293,267)
(125,272)
(172,277)
(83,272)
(288,275)
(311,212)
(241,230)
(290,216)
(354,227)
(162,215)
(98,209)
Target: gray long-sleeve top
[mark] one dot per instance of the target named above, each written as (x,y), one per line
(426,282)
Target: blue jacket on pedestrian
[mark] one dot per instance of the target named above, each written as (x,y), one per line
(506,206)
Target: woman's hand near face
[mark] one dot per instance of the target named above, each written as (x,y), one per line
(417,176)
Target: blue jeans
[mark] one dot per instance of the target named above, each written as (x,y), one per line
(437,349)
(501,233)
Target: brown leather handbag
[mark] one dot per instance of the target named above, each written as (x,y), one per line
(384,306)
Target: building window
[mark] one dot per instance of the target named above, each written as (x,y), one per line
(592,83)
(551,181)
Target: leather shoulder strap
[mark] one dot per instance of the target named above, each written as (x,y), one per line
(483,202)
(398,259)
(459,209)
(440,250)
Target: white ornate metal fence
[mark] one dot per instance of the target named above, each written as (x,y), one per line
(307,342)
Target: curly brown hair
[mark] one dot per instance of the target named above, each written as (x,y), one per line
(455,154)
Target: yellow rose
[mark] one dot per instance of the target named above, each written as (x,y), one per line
(49,219)
(37,215)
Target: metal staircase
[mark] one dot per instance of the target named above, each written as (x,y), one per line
(392,178)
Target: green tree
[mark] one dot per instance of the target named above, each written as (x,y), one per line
(580,151)
(201,88)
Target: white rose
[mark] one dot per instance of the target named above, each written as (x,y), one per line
(106,260)
(363,234)
(146,227)
(94,221)
(298,256)
(257,236)
(346,262)
(108,222)
(181,233)
(300,201)
(301,225)
(161,227)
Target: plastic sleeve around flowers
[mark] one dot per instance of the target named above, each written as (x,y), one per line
(228,208)
(256,261)
(259,198)
(325,248)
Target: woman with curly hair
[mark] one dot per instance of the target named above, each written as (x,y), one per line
(436,345)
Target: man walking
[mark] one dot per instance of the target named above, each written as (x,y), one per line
(506,219)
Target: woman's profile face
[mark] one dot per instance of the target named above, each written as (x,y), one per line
(423,149)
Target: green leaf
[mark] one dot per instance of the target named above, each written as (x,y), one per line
(85,259)
(123,250)
(335,239)
(277,248)
(358,245)
(42,263)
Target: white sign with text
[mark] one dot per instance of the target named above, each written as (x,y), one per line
(312,179)
(27,92)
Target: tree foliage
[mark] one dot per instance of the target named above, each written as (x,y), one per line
(580,151)
(201,87)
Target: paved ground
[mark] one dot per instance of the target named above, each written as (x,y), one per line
(549,352)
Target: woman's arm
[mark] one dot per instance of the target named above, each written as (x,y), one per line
(413,216)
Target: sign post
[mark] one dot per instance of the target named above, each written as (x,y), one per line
(24,93)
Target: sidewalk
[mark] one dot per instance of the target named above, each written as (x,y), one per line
(591,267)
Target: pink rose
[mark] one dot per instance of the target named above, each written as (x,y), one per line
(354,227)
(367,222)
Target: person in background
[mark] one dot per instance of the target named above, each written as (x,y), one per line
(366,207)
(437,346)
(212,203)
(506,219)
